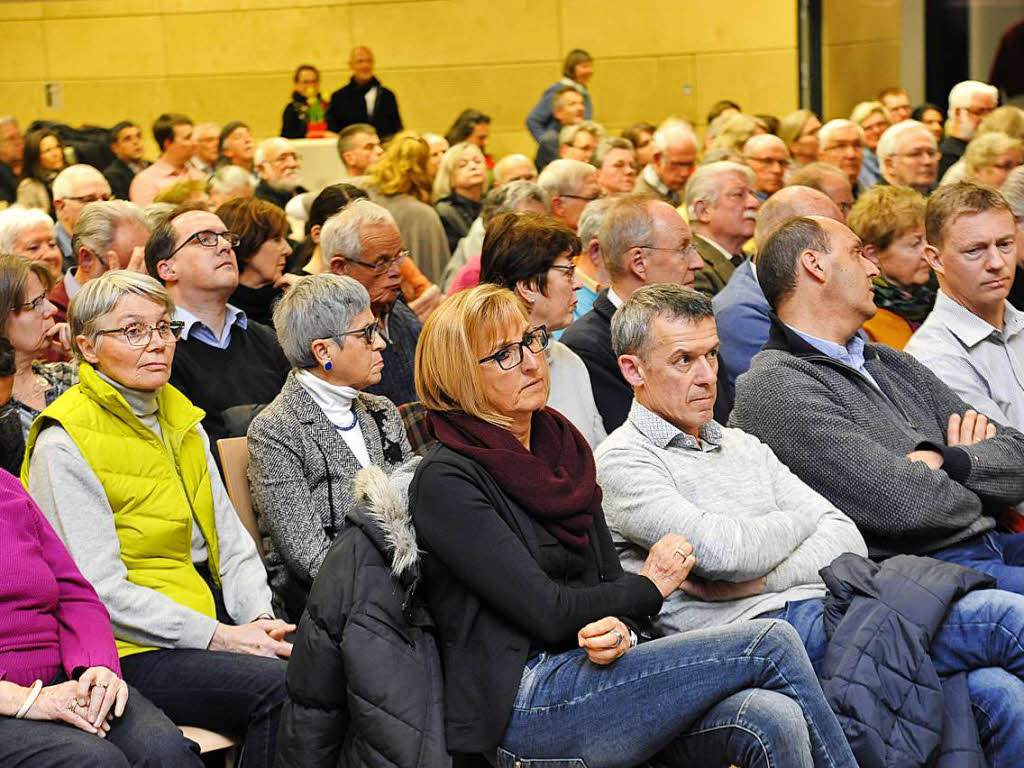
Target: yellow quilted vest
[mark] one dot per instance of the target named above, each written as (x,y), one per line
(156,491)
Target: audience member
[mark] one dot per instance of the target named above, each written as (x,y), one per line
(12,154)
(873,120)
(74,188)
(969,102)
(190,192)
(458,190)
(359,148)
(643,241)
(829,180)
(673,160)
(616,166)
(235,146)
(261,254)
(207,148)
(1013,192)
(570,184)
(30,234)
(508,465)
(736,131)
(568,109)
(989,158)
(533,256)
(123,472)
(867,426)
(590,269)
(328,202)
(306,112)
(576,73)
(173,134)
(842,145)
(43,160)
(768,158)
(799,130)
(224,363)
(726,107)
(514,168)
(1006,120)
(579,141)
(280,171)
(909,157)
(438,146)
(126,144)
(307,445)
(930,116)
(364,99)
(363,241)
(890,224)
(473,126)
(722,210)
(896,103)
(641,136)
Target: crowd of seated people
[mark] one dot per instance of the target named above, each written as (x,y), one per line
(619,455)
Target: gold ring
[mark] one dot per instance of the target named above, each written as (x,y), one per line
(73,705)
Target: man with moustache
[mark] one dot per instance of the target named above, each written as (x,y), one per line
(280,171)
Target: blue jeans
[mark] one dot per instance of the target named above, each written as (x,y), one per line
(998,554)
(983,635)
(742,694)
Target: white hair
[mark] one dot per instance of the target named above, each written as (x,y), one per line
(705,183)
(894,134)
(565,176)
(15,220)
(1013,191)
(671,132)
(261,151)
(64,184)
(340,234)
(98,223)
(229,177)
(962,93)
(317,307)
(567,135)
(758,141)
(826,131)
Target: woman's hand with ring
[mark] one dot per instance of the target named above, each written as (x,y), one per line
(604,640)
(60,703)
(669,562)
(100,689)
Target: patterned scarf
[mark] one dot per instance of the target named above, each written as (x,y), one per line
(912,304)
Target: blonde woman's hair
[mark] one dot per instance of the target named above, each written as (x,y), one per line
(884,213)
(99,296)
(464,328)
(1007,119)
(737,131)
(866,109)
(985,149)
(792,125)
(402,169)
(181,191)
(449,164)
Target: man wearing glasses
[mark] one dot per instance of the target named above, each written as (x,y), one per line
(224,363)
(909,156)
(571,184)
(363,242)
(969,103)
(74,188)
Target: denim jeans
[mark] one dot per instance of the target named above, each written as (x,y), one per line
(998,554)
(983,635)
(232,693)
(742,694)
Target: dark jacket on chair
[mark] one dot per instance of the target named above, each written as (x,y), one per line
(364,680)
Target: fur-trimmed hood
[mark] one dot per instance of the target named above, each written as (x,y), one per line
(382,512)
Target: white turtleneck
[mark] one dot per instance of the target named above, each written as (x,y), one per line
(336,403)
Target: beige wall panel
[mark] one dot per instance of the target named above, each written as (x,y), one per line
(503,143)
(82,9)
(15,11)
(200,6)
(633,90)
(104,48)
(251,98)
(852,73)
(759,82)
(269,41)
(23,51)
(25,101)
(850,21)
(428,33)
(108,101)
(653,27)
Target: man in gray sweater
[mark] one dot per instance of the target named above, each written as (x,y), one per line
(868,427)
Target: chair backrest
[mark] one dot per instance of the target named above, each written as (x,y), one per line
(234,458)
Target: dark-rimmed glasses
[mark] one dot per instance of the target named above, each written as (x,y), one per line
(569,269)
(139,334)
(382,265)
(34,305)
(208,239)
(368,332)
(86,199)
(508,357)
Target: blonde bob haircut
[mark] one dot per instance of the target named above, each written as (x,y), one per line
(463,329)
(99,296)
(986,149)
(403,168)
(449,165)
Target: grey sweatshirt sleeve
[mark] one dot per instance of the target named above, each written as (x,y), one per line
(71,496)
(242,575)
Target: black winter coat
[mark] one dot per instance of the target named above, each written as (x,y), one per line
(348,106)
(364,680)
(878,675)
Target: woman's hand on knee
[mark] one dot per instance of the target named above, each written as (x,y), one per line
(605,640)
(669,562)
(60,703)
(262,637)
(99,689)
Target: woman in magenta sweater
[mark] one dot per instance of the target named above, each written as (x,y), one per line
(62,701)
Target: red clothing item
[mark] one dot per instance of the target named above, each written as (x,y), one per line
(467,276)
(50,616)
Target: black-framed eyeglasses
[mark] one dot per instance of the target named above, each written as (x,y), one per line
(508,357)
(569,269)
(368,332)
(382,265)
(208,239)
(34,305)
(589,199)
(139,334)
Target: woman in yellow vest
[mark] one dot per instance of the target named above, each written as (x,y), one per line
(121,467)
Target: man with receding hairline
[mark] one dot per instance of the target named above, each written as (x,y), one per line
(364,99)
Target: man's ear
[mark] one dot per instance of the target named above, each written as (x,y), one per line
(629,365)
(166,271)
(636,264)
(314,233)
(934,258)
(813,263)
(557,206)
(338,265)
(702,211)
(88,348)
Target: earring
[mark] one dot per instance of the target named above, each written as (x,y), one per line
(328,365)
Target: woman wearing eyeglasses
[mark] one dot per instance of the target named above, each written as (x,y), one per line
(122,469)
(307,445)
(534,257)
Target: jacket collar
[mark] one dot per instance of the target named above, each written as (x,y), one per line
(382,513)
(782,338)
(603,306)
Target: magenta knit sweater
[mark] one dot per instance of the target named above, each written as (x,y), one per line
(50,616)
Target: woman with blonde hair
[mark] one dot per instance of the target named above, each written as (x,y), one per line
(400,181)
(1004,120)
(990,158)
(736,131)
(873,119)
(799,129)
(459,190)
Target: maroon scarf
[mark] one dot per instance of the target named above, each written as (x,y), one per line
(555,481)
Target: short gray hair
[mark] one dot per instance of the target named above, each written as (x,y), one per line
(1013,191)
(97,225)
(508,198)
(229,177)
(826,131)
(317,307)
(156,214)
(607,145)
(340,233)
(15,220)
(261,151)
(64,184)
(889,143)
(568,133)
(627,223)
(960,95)
(98,297)
(565,176)
(705,183)
(592,218)
(631,324)
(670,131)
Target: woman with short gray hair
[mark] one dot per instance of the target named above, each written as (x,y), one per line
(307,445)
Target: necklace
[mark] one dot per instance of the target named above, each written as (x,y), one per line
(350,426)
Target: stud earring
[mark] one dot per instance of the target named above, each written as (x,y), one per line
(328,365)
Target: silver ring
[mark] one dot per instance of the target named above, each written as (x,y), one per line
(101,685)
(681,554)
(73,705)
(618,638)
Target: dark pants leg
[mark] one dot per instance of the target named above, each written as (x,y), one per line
(232,693)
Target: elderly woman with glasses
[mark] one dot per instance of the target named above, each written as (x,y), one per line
(534,257)
(122,469)
(541,632)
(307,445)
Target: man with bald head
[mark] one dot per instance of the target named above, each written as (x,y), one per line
(674,158)
(768,157)
(741,310)
(514,168)
(909,156)
(280,170)
(364,99)
(829,180)
(73,189)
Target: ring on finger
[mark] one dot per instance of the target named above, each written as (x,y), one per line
(681,554)
(101,685)
(73,705)
(618,638)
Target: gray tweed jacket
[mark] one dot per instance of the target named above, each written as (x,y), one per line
(301,475)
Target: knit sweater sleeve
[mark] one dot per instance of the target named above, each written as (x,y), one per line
(72,498)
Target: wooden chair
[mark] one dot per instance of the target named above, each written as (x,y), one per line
(234,458)
(210,741)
